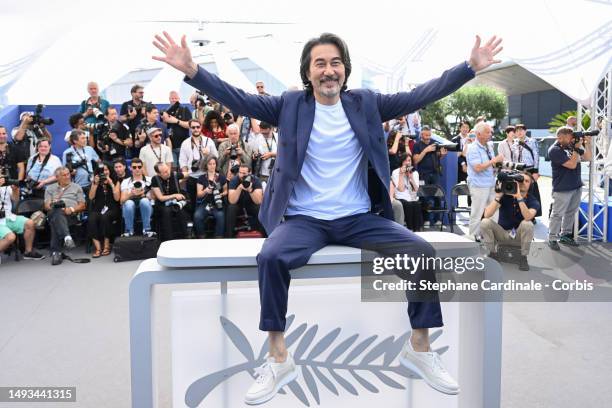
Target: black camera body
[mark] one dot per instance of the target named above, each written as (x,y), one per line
(72,165)
(172,109)
(8,181)
(246,181)
(195,166)
(233,152)
(507,165)
(216,191)
(506,182)
(38,119)
(59,204)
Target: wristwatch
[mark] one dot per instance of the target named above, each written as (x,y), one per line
(520,200)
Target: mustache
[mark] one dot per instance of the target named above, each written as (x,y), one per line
(329,78)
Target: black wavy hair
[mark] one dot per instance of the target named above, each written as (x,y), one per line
(325,38)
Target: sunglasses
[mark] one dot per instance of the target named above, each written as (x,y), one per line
(196,127)
(157,135)
(137,167)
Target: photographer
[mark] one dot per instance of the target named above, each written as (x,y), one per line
(120,168)
(515,209)
(481,163)
(399,145)
(114,138)
(31,129)
(12,224)
(78,158)
(154,152)
(211,191)
(135,193)
(462,140)
(265,155)
(63,201)
(427,157)
(404,187)
(195,148)
(132,111)
(12,161)
(170,203)
(150,121)
(94,106)
(245,191)
(176,118)
(565,157)
(214,127)
(77,122)
(526,151)
(506,147)
(40,170)
(104,197)
(234,149)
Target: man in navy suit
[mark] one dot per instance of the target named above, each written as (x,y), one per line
(321,190)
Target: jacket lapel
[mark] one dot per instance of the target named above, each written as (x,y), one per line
(357,119)
(305,121)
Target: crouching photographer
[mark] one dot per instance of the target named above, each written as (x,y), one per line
(12,224)
(104,196)
(136,194)
(63,201)
(565,157)
(245,191)
(211,192)
(170,203)
(516,208)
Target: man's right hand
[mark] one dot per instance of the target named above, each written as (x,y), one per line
(498,159)
(430,148)
(176,56)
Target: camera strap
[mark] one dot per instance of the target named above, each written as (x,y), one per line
(42,166)
(81,158)
(270,146)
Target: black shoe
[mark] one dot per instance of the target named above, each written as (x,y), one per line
(568,240)
(554,245)
(495,255)
(523,265)
(56,258)
(33,255)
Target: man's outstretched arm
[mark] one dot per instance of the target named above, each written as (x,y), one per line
(264,108)
(401,103)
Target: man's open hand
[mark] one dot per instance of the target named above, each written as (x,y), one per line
(177,56)
(483,56)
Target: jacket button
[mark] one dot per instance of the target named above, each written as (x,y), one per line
(277,169)
(380,139)
(271,191)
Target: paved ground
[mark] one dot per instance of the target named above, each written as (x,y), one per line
(68,325)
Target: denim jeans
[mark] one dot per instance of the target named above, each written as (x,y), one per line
(129,210)
(199,220)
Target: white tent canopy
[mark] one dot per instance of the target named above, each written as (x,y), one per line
(59,49)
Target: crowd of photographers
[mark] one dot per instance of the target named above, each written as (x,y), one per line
(139,170)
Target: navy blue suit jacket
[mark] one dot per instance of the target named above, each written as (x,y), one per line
(293,114)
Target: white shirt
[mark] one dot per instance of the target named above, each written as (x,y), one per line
(191,150)
(150,157)
(262,148)
(333,182)
(409,194)
(5,198)
(128,183)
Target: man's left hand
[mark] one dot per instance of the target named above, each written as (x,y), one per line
(483,56)
(518,194)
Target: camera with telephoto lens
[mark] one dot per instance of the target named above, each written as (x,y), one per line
(172,109)
(578,136)
(97,113)
(73,165)
(506,181)
(246,181)
(59,204)
(233,152)
(201,99)
(8,181)
(27,187)
(175,204)
(99,171)
(508,165)
(38,119)
(216,194)
(195,166)
(451,147)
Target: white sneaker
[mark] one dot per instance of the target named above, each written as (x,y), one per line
(426,224)
(438,223)
(429,366)
(271,377)
(68,242)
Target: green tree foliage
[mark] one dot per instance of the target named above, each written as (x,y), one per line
(560,119)
(467,103)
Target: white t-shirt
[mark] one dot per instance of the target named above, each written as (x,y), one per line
(190,151)
(262,148)
(128,183)
(5,198)
(409,194)
(333,182)
(150,157)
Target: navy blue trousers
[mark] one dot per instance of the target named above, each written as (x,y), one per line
(293,242)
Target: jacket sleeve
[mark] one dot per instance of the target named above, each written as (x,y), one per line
(266,108)
(401,103)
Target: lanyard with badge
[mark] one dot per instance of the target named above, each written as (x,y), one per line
(159,158)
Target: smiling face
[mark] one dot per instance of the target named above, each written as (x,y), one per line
(326,73)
